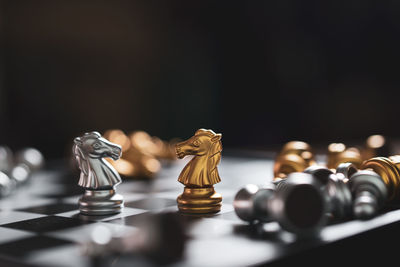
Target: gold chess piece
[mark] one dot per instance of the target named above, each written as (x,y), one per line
(295,156)
(200,173)
(139,151)
(338,153)
(389,170)
(375,146)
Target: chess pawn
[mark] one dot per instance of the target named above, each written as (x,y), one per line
(200,173)
(97,176)
(338,153)
(375,145)
(336,190)
(295,156)
(389,170)
(297,203)
(369,193)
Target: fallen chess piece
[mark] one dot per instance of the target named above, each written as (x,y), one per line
(160,238)
(297,203)
(97,176)
(369,193)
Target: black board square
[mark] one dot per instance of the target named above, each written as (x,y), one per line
(50,209)
(22,247)
(46,224)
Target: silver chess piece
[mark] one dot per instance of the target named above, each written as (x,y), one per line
(336,189)
(369,193)
(97,176)
(297,203)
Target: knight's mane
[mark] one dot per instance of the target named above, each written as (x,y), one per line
(83,164)
(214,156)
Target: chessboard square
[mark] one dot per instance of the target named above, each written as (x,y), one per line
(8,235)
(23,247)
(133,220)
(231,215)
(151,203)
(10,216)
(46,224)
(51,209)
(125,212)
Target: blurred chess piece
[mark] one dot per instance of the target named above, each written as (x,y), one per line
(389,171)
(338,193)
(338,153)
(295,156)
(369,193)
(97,176)
(142,153)
(160,238)
(297,203)
(200,173)
(375,146)
(16,168)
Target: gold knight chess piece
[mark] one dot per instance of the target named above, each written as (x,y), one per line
(200,173)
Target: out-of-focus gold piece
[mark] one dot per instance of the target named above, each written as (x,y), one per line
(200,173)
(141,153)
(389,170)
(338,153)
(376,145)
(295,156)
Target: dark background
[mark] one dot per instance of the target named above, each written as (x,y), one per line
(260,72)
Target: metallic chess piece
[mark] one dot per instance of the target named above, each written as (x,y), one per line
(297,203)
(141,153)
(389,170)
(338,153)
(201,173)
(347,169)
(295,156)
(338,194)
(375,145)
(97,176)
(31,157)
(369,193)
(251,203)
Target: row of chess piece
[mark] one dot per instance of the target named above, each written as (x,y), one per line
(17,167)
(306,195)
(142,154)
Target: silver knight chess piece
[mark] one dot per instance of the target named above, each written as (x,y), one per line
(97,177)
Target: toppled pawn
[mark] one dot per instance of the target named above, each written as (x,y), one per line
(338,193)
(369,193)
(97,176)
(297,203)
(159,238)
(295,156)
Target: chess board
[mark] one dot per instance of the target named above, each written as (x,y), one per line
(40,224)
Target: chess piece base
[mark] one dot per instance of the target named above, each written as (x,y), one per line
(199,200)
(100,202)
